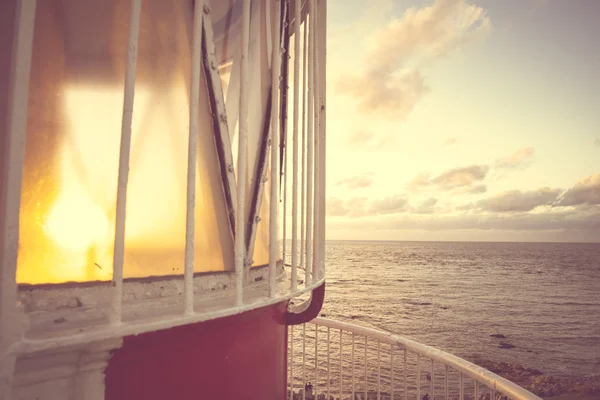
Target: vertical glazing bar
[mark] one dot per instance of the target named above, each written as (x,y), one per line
(11,162)
(292,361)
(341,372)
(303,360)
(418,377)
(313,110)
(192,156)
(274,202)
(296,117)
(432,379)
(322,130)
(445,382)
(461,386)
(328,361)
(405,377)
(392,371)
(366,362)
(378,370)
(352,360)
(125,149)
(316,360)
(240,240)
(310,144)
(304,156)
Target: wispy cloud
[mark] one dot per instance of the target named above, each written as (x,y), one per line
(520,159)
(392,82)
(597,142)
(450,141)
(464,180)
(584,192)
(357,182)
(518,201)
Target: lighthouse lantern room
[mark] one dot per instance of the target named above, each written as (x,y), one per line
(162,186)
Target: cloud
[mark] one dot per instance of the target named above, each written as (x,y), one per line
(367,140)
(389,205)
(357,182)
(463,180)
(360,207)
(546,221)
(518,201)
(597,142)
(520,159)
(450,141)
(426,207)
(584,192)
(392,81)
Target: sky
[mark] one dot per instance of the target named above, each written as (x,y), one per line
(463,120)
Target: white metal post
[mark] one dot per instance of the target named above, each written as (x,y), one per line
(125,150)
(275,84)
(190,219)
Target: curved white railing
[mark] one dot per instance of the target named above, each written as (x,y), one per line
(384,366)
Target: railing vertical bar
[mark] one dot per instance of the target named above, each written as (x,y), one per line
(476,389)
(192,160)
(304,155)
(316,360)
(292,361)
(432,379)
(303,360)
(405,377)
(366,362)
(328,356)
(392,371)
(115,315)
(378,370)
(12,164)
(310,145)
(274,202)
(322,130)
(352,360)
(296,117)
(418,377)
(493,394)
(461,386)
(341,372)
(445,382)
(283,122)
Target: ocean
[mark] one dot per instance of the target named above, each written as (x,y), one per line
(544,297)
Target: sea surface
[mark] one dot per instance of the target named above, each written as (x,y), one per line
(544,297)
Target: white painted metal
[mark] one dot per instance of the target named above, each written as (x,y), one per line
(274,202)
(321,68)
(464,368)
(240,230)
(310,147)
(316,360)
(303,200)
(119,246)
(12,163)
(190,219)
(296,116)
(392,371)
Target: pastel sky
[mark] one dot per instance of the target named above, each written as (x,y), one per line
(463,120)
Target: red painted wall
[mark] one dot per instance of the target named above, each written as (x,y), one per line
(237,357)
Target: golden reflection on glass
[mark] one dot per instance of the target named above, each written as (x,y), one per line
(72,148)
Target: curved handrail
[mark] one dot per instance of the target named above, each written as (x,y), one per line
(473,371)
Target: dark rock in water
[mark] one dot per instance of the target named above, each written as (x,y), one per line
(506,345)
(498,336)
(354,316)
(323,315)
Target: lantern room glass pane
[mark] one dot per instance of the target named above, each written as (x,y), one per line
(227,20)
(72,147)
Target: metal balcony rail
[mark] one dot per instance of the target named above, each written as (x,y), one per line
(345,361)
